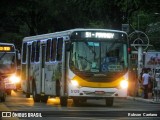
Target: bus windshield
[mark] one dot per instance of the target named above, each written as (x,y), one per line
(7,63)
(98,56)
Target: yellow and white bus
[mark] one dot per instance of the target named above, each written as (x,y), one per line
(79,63)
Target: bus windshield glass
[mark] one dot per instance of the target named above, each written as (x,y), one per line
(7,63)
(98,56)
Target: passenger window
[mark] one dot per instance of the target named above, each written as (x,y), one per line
(24,52)
(33,51)
(48,50)
(53,49)
(59,49)
(37,50)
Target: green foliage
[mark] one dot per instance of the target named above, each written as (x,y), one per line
(145,19)
(96,24)
(31,17)
(12,38)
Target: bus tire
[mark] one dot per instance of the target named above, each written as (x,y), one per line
(36,97)
(44,99)
(8,92)
(63,101)
(3,98)
(27,95)
(57,88)
(109,101)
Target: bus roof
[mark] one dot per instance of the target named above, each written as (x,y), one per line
(7,47)
(65,33)
(6,43)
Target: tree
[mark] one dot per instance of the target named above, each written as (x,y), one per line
(32,17)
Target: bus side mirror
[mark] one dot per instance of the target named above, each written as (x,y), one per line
(18,55)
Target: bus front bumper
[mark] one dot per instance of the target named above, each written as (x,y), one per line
(97,92)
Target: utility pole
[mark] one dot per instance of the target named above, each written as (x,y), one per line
(140,42)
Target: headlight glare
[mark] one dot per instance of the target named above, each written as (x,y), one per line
(14,79)
(74,83)
(124,84)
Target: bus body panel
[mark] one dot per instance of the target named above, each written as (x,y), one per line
(96,92)
(96,89)
(51,73)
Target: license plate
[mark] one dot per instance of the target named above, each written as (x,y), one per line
(10,86)
(99,92)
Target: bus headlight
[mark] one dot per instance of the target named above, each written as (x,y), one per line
(124,84)
(14,79)
(74,83)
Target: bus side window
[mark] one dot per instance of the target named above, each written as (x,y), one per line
(59,49)
(24,52)
(37,50)
(53,49)
(48,50)
(33,51)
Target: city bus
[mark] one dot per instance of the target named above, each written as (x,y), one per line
(9,66)
(77,64)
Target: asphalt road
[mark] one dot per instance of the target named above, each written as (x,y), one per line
(123,109)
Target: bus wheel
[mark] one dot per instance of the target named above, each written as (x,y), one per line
(36,97)
(57,88)
(27,95)
(3,98)
(63,101)
(109,101)
(44,98)
(8,92)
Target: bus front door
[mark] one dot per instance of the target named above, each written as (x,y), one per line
(28,64)
(44,97)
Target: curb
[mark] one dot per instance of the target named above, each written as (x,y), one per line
(143,100)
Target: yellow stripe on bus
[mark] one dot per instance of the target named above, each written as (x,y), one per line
(84,83)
